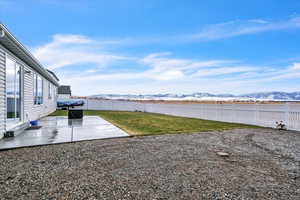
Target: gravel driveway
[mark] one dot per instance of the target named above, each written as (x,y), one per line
(262,164)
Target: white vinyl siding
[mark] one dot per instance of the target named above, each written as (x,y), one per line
(31,111)
(2,93)
(34,111)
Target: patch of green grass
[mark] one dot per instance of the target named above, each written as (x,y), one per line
(59,113)
(139,123)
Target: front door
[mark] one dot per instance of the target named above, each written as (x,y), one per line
(13,93)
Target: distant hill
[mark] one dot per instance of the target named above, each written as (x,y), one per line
(275,95)
(260,96)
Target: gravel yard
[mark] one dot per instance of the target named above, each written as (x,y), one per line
(262,164)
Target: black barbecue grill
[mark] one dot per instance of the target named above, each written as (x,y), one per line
(70,105)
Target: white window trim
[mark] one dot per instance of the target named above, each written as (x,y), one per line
(7,54)
(36,77)
(49,90)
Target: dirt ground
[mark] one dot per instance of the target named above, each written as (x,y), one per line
(262,164)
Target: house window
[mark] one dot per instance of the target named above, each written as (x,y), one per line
(34,86)
(13,89)
(37,89)
(50,90)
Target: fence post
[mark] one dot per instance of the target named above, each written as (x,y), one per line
(286,114)
(216,112)
(256,114)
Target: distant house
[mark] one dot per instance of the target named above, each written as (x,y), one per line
(28,91)
(64,92)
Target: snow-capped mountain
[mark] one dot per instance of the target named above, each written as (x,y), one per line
(260,96)
(275,95)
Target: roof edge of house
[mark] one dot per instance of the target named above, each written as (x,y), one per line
(5,33)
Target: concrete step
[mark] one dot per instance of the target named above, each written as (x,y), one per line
(16,130)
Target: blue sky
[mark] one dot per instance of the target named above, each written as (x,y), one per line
(162,46)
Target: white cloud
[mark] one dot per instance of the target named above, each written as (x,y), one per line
(296,66)
(59,39)
(67,50)
(219,31)
(159,62)
(163,68)
(259,21)
(243,27)
(169,75)
(223,70)
(286,73)
(162,72)
(177,77)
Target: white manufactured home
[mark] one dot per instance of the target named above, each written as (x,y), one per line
(28,91)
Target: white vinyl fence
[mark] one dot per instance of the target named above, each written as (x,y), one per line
(257,114)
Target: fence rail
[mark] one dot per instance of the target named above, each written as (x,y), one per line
(257,114)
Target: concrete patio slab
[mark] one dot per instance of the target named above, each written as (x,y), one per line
(60,130)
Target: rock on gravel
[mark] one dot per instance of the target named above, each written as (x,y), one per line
(263,164)
(223,154)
